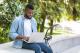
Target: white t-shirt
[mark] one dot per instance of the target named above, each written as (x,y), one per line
(27,27)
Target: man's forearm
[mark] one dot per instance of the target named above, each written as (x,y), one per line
(22,37)
(19,37)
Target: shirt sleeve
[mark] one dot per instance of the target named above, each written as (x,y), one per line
(35,25)
(13,29)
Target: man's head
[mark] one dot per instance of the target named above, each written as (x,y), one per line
(29,11)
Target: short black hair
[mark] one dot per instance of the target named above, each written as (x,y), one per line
(30,6)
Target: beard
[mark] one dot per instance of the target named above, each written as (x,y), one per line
(28,17)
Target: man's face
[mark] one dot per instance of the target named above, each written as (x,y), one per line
(29,13)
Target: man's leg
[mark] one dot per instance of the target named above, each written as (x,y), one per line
(45,48)
(32,46)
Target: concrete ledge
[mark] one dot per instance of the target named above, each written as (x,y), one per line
(58,44)
(7,48)
(75,49)
(62,44)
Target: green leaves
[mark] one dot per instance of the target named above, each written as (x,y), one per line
(54,10)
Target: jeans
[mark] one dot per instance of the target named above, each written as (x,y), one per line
(37,47)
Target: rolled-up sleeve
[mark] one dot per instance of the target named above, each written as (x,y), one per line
(13,29)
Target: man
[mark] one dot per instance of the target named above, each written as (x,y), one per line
(21,29)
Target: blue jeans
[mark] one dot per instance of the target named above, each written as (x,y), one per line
(37,47)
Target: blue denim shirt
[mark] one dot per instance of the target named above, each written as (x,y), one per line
(17,28)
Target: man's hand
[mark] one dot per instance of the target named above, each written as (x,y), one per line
(25,38)
(22,38)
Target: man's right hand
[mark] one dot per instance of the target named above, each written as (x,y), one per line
(22,37)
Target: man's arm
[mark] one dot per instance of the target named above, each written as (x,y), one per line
(13,31)
(22,38)
(14,26)
(35,25)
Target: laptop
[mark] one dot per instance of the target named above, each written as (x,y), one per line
(37,37)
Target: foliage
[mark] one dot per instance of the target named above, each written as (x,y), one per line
(53,10)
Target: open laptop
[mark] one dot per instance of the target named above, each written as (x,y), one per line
(37,37)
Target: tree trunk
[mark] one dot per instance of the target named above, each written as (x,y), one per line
(43,15)
(43,22)
(51,29)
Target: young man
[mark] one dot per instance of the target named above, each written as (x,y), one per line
(21,29)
